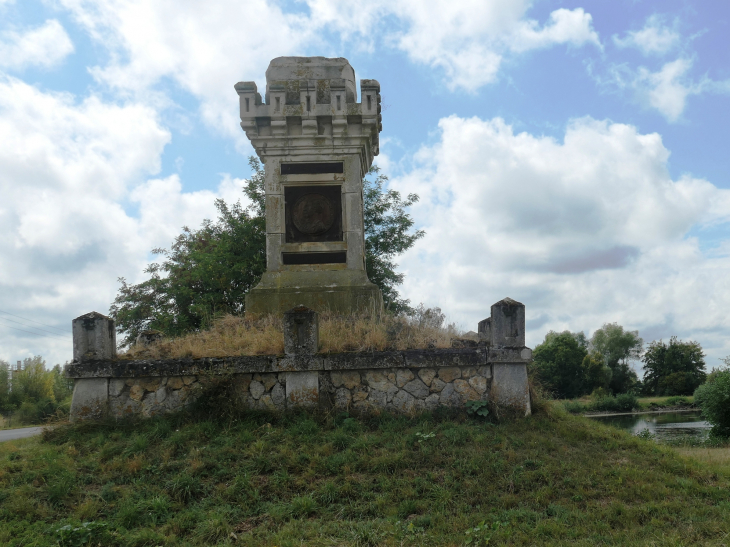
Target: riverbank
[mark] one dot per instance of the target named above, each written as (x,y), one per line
(259,479)
(639,412)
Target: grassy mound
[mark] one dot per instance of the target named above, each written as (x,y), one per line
(259,479)
(233,335)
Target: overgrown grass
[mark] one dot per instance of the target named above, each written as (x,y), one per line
(234,335)
(624,402)
(257,479)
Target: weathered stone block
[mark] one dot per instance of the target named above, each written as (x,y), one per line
(378,381)
(278,395)
(342,398)
(301,331)
(350,378)
(161,395)
(437,385)
(427,375)
(175,382)
(510,387)
(148,337)
(508,323)
(403,376)
(431,402)
(359,393)
(116,386)
(268,380)
(136,392)
(449,396)
(257,389)
(479,383)
(449,374)
(404,402)
(94,337)
(302,389)
(417,388)
(484,330)
(467,392)
(90,399)
(149,384)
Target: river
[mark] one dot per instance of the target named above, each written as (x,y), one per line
(666,426)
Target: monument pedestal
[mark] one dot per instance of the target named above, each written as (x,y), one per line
(345,291)
(316,143)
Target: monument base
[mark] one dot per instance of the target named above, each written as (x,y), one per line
(343,291)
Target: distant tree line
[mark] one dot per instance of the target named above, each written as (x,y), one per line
(570,365)
(34,393)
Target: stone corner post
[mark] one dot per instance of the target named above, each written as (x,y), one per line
(505,333)
(94,339)
(301,341)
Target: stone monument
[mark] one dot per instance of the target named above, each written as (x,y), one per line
(316,143)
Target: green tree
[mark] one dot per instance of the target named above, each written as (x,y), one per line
(677,368)
(4,386)
(618,347)
(62,386)
(33,383)
(713,397)
(207,272)
(387,234)
(597,374)
(558,363)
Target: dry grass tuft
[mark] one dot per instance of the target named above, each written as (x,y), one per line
(234,335)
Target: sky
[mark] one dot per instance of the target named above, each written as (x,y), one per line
(570,155)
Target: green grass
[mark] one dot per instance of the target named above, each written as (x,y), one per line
(258,479)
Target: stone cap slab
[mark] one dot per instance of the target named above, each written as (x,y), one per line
(427,358)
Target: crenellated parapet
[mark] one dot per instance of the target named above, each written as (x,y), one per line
(310,103)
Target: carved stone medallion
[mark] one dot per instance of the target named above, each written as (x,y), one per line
(313,214)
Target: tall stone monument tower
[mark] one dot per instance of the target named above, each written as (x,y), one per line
(316,142)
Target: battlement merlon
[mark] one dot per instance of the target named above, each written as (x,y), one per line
(310,103)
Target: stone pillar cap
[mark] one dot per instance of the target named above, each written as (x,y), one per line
(310,68)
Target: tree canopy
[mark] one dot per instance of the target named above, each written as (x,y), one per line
(677,368)
(558,362)
(207,272)
(617,347)
(387,234)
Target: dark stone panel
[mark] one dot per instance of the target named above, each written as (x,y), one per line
(313,213)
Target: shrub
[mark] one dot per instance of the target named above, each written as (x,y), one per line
(714,400)
(625,402)
(575,407)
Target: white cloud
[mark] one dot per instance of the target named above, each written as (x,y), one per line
(43,46)
(667,89)
(572,27)
(205,48)
(70,172)
(655,38)
(586,231)
(466,39)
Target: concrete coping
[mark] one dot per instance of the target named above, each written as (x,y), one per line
(427,358)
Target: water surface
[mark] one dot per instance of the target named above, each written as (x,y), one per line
(666,426)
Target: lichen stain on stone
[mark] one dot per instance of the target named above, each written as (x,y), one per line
(304,397)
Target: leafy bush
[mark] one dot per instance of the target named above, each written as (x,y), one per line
(575,407)
(714,400)
(625,402)
(678,401)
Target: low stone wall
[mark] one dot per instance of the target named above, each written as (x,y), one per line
(454,377)
(400,381)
